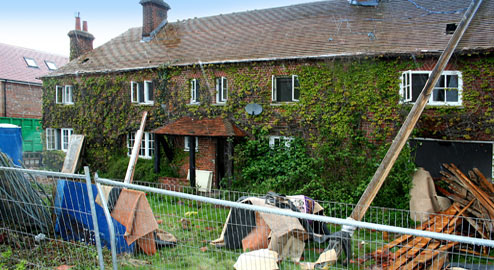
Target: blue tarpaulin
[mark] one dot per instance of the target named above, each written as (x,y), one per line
(11,142)
(74,219)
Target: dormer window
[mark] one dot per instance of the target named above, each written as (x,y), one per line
(51,65)
(31,62)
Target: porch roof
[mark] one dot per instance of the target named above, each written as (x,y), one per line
(205,127)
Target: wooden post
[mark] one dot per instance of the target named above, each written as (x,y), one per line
(157,153)
(412,118)
(192,161)
(229,160)
(135,150)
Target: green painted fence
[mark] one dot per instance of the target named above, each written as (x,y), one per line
(31,132)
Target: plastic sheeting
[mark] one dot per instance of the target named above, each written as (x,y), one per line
(11,142)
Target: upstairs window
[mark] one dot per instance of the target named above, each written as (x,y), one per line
(187,143)
(142,92)
(63,94)
(147,145)
(51,65)
(194,91)
(31,62)
(285,88)
(448,90)
(221,90)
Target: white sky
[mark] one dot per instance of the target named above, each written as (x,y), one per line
(43,24)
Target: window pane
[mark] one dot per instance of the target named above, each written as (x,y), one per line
(418,83)
(452,95)
(440,82)
(140,96)
(296,90)
(284,89)
(452,81)
(150,91)
(438,94)
(224,95)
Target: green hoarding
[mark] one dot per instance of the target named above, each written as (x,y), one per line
(31,132)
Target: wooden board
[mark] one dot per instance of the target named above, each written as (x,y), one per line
(72,160)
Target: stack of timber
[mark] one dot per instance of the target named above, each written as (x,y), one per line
(470,215)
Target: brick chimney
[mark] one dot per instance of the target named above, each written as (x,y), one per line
(81,41)
(154,15)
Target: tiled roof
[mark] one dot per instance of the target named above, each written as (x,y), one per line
(14,67)
(320,29)
(187,126)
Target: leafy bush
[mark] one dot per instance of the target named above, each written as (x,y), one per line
(338,171)
(53,160)
(144,170)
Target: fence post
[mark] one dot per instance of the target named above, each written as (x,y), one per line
(109,221)
(95,217)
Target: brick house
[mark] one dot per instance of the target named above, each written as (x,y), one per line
(20,89)
(208,82)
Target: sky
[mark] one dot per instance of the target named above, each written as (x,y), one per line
(43,24)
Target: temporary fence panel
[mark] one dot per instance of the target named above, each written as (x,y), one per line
(54,219)
(181,230)
(40,226)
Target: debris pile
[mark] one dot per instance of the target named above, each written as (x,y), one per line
(469,215)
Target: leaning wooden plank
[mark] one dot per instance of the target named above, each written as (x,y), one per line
(483,181)
(72,160)
(135,150)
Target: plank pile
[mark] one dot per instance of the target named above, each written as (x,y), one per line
(473,207)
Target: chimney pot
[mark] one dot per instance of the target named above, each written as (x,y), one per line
(84,26)
(78,23)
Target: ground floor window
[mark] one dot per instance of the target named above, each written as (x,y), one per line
(187,143)
(58,138)
(147,144)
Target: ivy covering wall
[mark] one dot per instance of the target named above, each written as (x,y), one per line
(348,111)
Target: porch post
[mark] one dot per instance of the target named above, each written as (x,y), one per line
(229,160)
(157,153)
(192,161)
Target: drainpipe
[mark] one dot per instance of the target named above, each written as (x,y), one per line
(4,98)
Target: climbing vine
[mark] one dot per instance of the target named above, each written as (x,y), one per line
(348,109)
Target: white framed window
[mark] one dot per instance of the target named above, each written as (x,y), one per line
(67,96)
(187,143)
(194,91)
(58,139)
(147,144)
(447,92)
(63,94)
(280,140)
(142,92)
(221,90)
(59,94)
(52,140)
(65,136)
(285,88)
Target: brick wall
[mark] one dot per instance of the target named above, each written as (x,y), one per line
(174,184)
(205,156)
(23,101)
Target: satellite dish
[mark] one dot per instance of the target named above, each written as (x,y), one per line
(253,109)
